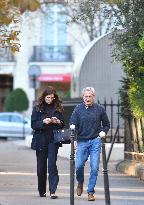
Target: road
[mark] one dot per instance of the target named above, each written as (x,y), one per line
(18,181)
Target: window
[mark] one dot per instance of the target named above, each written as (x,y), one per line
(54,26)
(15,118)
(5,118)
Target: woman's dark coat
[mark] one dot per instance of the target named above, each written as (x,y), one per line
(39,140)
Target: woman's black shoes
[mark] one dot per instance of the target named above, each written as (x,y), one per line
(42,195)
(53,196)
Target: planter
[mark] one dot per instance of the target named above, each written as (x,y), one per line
(133,164)
(134,156)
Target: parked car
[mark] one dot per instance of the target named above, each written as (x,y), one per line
(13,124)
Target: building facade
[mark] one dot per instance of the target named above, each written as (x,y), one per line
(44,47)
(49,47)
(97,68)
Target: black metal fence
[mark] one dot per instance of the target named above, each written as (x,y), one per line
(113,112)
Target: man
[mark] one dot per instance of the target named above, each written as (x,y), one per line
(91,122)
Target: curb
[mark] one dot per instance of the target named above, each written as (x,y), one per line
(131,168)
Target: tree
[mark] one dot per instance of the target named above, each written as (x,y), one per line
(141,43)
(129,50)
(10,11)
(128,19)
(16,101)
(90,17)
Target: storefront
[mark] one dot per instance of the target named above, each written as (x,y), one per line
(6,85)
(7,65)
(60,81)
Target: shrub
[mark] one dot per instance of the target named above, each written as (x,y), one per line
(16,101)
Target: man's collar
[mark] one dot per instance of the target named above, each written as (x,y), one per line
(86,106)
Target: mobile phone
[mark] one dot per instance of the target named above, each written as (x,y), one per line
(54,118)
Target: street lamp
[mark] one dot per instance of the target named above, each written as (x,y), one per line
(34,71)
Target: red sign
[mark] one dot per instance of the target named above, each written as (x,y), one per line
(65,78)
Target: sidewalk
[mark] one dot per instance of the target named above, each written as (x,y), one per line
(129,167)
(18,181)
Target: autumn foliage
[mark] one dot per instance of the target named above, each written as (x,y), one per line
(10,11)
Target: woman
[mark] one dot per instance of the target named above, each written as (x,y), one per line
(46,116)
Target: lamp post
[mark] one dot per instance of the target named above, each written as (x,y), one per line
(34,71)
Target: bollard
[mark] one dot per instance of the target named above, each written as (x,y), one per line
(105,162)
(72,164)
(23,128)
(105,174)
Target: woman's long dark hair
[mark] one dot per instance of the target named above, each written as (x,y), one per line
(48,91)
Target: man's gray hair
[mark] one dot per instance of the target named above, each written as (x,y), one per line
(91,89)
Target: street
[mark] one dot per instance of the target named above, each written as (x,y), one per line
(18,181)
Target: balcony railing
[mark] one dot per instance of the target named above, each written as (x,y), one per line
(6,55)
(51,54)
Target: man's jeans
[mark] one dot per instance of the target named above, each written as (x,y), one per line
(85,149)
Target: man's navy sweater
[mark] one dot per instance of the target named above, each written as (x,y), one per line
(89,121)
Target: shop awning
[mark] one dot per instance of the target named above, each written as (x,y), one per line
(65,78)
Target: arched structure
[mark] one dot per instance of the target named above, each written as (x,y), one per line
(96,67)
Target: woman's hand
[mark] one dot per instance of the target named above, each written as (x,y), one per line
(55,120)
(47,121)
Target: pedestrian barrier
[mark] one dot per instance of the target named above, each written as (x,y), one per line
(105,164)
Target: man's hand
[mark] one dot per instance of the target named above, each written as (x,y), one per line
(102,134)
(75,145)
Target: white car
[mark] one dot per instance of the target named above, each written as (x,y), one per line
(13,124)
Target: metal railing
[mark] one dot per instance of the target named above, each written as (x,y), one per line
(51,54)
(113,111)
(6,55)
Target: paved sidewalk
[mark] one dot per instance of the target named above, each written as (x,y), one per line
(18,181)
